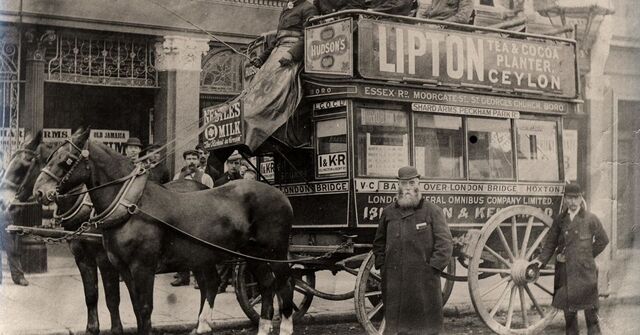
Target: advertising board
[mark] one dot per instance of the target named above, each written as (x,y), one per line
(329,48)
(223,125)
(402,52)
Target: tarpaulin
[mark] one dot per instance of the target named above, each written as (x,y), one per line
(265,105)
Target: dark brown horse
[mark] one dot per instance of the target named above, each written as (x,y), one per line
(143,220)
(71,212)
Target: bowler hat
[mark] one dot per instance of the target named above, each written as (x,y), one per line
(190,152)
(408,172)
(134,141)
(572,190)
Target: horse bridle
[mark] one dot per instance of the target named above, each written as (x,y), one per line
(14,184)
(72,160)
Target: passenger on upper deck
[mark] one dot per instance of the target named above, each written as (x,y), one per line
(395,7)
(331,6)
(290,33)
(457,11)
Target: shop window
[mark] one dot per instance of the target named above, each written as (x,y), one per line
(332,147)
(537,150)
(439,146)
(383,142)
(490,149)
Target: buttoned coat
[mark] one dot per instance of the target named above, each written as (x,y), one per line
(580,240)
(411,247)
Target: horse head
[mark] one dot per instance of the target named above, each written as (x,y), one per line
(23,168)
(66,168)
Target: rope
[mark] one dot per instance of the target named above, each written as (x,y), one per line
(326,255)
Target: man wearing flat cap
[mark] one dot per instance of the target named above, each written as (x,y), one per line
(576,238)
(412,246)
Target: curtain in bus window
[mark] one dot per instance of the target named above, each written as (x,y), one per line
(537,150)
(332,147)
(439,146)
(383,142)
(490,148)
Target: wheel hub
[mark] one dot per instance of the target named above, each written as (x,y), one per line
(523,272)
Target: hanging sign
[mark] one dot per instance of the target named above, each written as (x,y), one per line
(115,139)
(53,135)
(224,125)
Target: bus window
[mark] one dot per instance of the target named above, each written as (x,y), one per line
(383,142)
(537,150)
(439,146)
(332,147)
(490,148)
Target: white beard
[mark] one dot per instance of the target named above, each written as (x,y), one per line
(409,198)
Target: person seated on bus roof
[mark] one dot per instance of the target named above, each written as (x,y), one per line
(331,6)
(456,11)
(291,25)
(394,7)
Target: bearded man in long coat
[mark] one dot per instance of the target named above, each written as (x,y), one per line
(576,238)
(412,246)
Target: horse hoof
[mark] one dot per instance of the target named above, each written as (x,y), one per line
(286,325)
(117,330)
(92,331)
(265,327)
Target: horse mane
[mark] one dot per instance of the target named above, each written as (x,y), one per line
(113,163)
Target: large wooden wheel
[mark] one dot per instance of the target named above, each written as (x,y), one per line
(517,300)
(249,298)
(368,294)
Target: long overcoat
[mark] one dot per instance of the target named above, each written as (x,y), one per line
(411,247)
(580,241)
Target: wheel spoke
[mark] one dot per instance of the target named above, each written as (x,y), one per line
(373,293)
(527,234)
(375,311)
(504,243)
(376,276)
(494,287)
(500,300)
(537,242)
(511,307)
(514,236)
(255,301)
(494,270)
(543,288)
(533,299)
(525,317)
(497,255)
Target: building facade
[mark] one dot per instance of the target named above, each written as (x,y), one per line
(138,68)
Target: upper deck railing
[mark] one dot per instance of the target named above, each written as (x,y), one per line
(381,47)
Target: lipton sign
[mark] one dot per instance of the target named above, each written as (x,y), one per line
(329,48)
(395,51)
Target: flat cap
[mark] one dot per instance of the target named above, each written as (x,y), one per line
(190,152)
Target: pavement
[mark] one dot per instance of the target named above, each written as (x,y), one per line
(53,303)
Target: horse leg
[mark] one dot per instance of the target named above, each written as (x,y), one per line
(211,281)
(89,274)
(202,326)
(264,277)
(284,288)
(111,284)
(143,276)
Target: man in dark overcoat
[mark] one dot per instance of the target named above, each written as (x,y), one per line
(412,246)
(576,237)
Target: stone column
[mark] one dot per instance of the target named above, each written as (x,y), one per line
(32,117)
(178,62)
(598,98)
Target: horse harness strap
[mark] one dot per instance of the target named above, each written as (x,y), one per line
(346,245)
(125,202)
(83,207)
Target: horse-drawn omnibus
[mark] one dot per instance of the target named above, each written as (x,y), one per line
(478,111)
